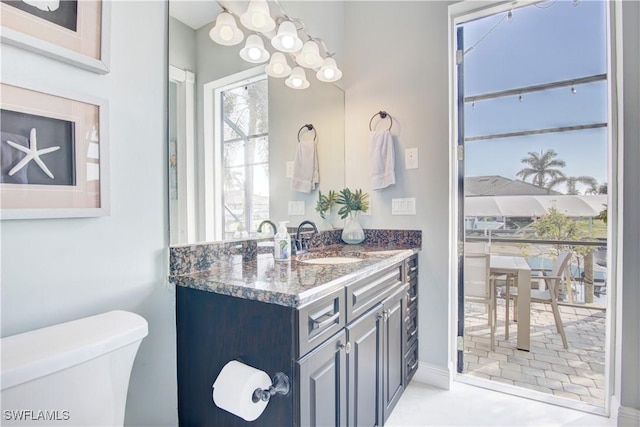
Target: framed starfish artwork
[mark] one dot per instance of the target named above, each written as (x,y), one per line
(53,154)
(72,31)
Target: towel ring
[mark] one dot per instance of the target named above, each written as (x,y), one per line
(309,127)
(383,115)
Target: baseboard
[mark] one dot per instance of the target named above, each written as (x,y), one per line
(433,375)
(628,417)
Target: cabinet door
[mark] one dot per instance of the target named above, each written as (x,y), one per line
(322,376)
(393,358)
(365,369)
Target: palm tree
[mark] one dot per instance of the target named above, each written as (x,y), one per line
(593,188)
(596,188)
(603,188)
(541,167)
(571,181)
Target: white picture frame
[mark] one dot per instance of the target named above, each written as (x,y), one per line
(87,47)
(89,193)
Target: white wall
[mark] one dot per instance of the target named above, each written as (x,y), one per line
(63,269)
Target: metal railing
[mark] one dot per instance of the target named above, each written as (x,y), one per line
(586,282)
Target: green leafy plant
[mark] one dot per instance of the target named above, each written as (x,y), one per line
(557,226)
(352,202)
(603,214)
(325,201)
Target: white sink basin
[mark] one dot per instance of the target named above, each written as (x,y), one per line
(331,260)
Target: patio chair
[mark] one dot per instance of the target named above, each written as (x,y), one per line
(549,295)
(478,287)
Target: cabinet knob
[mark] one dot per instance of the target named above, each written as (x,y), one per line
(347,347)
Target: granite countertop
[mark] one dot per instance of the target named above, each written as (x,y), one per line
(295,283)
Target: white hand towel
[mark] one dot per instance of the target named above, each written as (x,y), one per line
(382,160)
(305,168)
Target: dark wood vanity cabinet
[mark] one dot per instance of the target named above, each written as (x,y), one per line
(346,353)
(322,379)
(394,380)
(411,319)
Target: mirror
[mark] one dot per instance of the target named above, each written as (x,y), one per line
(206,78)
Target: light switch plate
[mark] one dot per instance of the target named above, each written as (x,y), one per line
(395,206)
(289,170)
(411,158)
(411,206)
(296,208)
(403,206)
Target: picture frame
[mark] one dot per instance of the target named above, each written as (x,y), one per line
(77,32)
(54,153)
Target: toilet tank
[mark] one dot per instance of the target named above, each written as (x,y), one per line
(71,374)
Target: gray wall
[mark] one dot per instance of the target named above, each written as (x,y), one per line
(380,74)
(63,269)
(182,45)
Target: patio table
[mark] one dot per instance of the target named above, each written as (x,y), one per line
(516,265)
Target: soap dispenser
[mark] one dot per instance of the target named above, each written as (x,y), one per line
(282,243)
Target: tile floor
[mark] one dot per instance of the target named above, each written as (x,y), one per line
(575,373)
(466,405)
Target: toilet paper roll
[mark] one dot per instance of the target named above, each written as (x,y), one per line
(234,387)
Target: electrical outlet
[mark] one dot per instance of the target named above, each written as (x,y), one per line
(289,170)
(411,158)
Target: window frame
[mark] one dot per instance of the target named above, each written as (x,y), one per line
(213,220)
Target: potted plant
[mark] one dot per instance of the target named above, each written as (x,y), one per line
(352,203)
(323,207)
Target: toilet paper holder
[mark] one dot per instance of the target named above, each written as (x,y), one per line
(280,385)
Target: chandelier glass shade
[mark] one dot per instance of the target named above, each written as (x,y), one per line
(309,56)
(278,66)
(225,31)
(254,51)
(329,71)
(297,79)
(257,17)
(287,40)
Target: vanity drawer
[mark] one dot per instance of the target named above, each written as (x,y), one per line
(412,292)
(411,362)
(411,324)
(411,268)
(365,293)
(320,320)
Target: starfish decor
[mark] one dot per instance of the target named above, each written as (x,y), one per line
(32,153)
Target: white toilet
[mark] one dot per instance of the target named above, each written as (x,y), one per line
(71,374)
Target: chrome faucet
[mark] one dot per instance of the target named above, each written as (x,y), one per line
(271,223)
(301,246)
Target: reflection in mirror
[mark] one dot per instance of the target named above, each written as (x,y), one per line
(244,193)
(233,132)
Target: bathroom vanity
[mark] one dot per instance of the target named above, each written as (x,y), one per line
(345,334)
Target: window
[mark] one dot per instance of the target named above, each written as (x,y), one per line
(244,150)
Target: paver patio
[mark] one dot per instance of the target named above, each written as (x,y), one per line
(574,373)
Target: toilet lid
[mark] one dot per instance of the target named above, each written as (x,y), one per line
(41,352)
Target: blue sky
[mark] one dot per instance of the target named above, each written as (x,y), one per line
(556,41)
